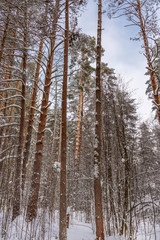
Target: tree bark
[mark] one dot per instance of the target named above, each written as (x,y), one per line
(55,123)
(4,35)
(9,63)
(29,125)
(62,220)
(9,127)
(98,135)
(17,195)
(80,109)
(149,61)
(35,181)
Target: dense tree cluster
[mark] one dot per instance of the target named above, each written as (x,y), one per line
(75,144)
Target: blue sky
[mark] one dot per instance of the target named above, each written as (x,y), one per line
(122,54)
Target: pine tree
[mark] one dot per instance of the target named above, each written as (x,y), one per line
(63,207)
(98,135)
(17,195)
(143,14)
(35,182)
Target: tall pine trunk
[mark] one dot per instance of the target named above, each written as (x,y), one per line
(17,195)
(80,109)
(98,135)
(62,220)
(29,125)
(35,181)
(149,61)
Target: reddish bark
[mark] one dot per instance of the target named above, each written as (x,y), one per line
(98,133)
(149,61)
(29,125)
(35,181)
(8,76)
(4,36)
(17,196)
(62,220)
(80,109)
(8,71)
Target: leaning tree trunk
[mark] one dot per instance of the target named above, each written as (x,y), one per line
(98,137)
(29,124)
(35,181)
(149,61)
(62,220)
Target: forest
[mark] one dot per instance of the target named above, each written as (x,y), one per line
(76,160)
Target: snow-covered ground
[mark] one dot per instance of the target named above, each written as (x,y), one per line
(47,228)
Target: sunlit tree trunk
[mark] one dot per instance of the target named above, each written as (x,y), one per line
(62,219)
(98,136)
(35,181)
(80,109)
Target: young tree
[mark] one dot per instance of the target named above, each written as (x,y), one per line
(80,113)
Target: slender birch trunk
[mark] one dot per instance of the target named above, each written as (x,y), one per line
(35,181)
(62,220)
(98,135)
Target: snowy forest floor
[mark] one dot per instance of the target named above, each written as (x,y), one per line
(47,228)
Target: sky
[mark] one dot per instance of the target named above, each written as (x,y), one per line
(121,53)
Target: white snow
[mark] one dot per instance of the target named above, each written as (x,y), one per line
(80,231)
(46,227)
